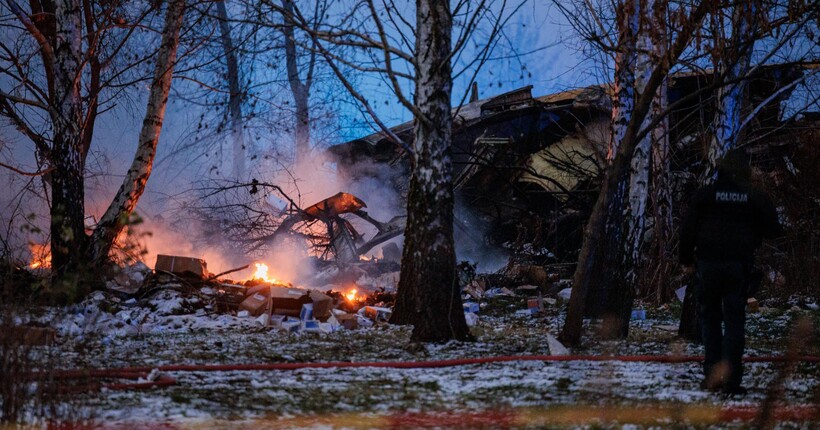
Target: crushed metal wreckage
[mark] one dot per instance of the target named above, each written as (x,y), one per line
(343,240)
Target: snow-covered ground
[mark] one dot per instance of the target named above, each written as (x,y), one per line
(160,332)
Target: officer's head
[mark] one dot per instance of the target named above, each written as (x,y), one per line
(735,165)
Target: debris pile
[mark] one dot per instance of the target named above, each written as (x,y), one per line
(181,294)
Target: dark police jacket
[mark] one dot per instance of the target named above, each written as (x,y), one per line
(727,222)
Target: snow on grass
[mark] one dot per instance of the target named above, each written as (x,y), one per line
(161,333)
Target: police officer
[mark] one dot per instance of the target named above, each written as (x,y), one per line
(726,222)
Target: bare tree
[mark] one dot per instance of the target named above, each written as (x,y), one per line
(604,230)
(733,62)
(428,296)
(618,239)
(235,97)
(82,48)
(133,185)
(298,86)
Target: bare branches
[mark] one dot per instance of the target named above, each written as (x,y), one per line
(388,64)
(23,100)
(24,173)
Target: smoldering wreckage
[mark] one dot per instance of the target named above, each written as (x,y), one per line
(356,292)
(526,173)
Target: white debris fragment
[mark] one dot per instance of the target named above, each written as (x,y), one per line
(262,320)
(680,293)
(472,319)
(565,294)
(556,347)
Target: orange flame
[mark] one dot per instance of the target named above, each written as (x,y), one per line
(351,295)
(40,255)
(262,273)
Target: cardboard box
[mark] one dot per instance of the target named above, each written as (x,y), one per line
(377,314)
(255,304)
(322,305)
(311,326)
(348,321)
(183,266)
(288,301)
(535,305)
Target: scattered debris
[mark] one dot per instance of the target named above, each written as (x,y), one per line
(471,307)
(471,318)
(565,294)
(535,305)
(377,314)
(556,347)
(182,266)
(752,305)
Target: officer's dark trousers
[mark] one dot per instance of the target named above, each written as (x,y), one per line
(723,316)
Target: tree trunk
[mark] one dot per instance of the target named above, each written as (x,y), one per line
(661,259)
(133,185)
(300,90)
(623,278)
(235,97)
(732,66)
(623,101)
(623,96)
(601,225)
(635,213)
(429,295)
(68,238)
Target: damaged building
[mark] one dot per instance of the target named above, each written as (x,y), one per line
(528,167)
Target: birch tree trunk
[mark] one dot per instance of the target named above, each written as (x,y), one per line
(429,296)
(607,218)
(300,89)
(651,154)
(623,96)
(594,298)
(635,214)
(133,185)
(732,67)
(235,98)
(68,238)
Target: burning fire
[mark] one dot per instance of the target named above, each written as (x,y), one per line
(351,295)
(262,273)
(40,255)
